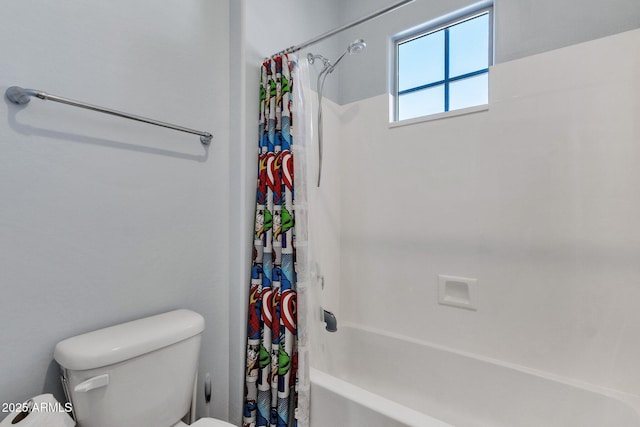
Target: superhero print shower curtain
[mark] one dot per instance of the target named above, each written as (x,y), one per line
(271,370)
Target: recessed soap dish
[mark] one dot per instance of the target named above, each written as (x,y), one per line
(457,291)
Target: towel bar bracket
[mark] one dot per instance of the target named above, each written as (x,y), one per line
(18,95)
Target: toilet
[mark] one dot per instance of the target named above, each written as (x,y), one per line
(135,374)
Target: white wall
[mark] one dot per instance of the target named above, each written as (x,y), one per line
(527,27)
(104,220)
(536,198)
(241,177)
(522,28)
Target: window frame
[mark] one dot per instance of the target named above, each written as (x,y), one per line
(443,23)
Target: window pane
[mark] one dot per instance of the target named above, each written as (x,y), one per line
(421,61)
(469,92)
(421,103)
(469,46)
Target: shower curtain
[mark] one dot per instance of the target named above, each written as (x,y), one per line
(277,384)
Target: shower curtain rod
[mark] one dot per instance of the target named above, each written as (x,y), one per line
(21,96)
(346,26)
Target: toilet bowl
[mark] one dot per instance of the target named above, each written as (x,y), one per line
(139,373)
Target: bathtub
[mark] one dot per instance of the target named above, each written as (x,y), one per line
(394,381)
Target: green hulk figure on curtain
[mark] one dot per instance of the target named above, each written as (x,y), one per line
(270,385)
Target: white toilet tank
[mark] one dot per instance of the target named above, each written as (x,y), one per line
(136,374)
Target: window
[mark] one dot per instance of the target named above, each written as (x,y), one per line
(445,68)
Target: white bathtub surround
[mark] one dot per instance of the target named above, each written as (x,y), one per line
(536,198)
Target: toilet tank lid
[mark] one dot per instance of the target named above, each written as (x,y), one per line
(127,340)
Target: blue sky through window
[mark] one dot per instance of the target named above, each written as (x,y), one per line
(469,46)
(444,70)
(421,61)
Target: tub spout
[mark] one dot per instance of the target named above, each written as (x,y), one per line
(330,320)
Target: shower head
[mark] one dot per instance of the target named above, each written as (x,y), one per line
(356,47)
